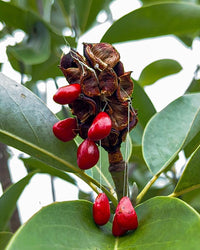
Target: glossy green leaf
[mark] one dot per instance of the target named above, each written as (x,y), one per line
(28,127)
(192,198)
(157,70)
(59,226)
(48,69)
(194,86)
(25,19)
(83,13)
(170,130)
(33,164)
(58,20)
(126,148)
(19,16)
(95,8)
(26,69)
(100,171)
(145,109)
(142,104)
(192,145)
(155,20)
(85,196)
(162,1)
(9,198)
(136,155)
(190,178)
(4,239)
(35,48)
(24,4)
(43,8)
(42,71)
(165,223)
(4,31)
(187,39)
(162,225)
(33,87)
(46,9)
(136,134)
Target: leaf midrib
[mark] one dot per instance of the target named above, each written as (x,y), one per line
(178,150)
(25,142)
(181,146)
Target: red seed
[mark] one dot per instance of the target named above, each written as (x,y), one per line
(101,209)
(65,129)
(67,94)
(125,214)
(87,154)
(101,127)
(116,229)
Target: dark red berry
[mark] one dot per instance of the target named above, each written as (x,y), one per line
(125,215)
(87,154)
(65,129)
(67,94)
(101,209)
(116,229)
(101,127)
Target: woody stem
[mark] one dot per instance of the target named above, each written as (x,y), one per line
(118,171)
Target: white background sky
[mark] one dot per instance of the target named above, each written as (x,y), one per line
(135,56)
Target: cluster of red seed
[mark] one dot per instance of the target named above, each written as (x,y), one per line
(98,95)
(65,130)
(125,217)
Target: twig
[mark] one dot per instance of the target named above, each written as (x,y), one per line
(184,191)
(146,188)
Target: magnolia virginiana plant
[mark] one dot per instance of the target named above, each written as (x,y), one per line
(103,111)
(165,212)
(102,108)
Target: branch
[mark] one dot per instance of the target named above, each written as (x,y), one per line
(184,191)
(146,188)
(118,171)
(92,183)
(5,181)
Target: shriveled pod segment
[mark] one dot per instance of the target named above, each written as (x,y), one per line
(65,130)
(67,94)
(101,209)
(87,154)
(101,127)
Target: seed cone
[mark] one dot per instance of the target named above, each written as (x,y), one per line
(104,86)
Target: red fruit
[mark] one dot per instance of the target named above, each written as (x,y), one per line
(101,209)
(87,154)
(101,127)
(65,129)
(116,229)
(67,94)
(125,214)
